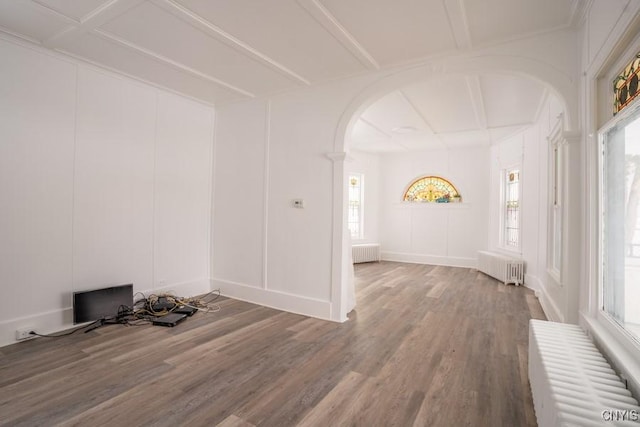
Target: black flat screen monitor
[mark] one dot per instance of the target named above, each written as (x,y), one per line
(99,304)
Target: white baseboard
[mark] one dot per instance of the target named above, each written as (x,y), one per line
(44,323)
(51,322)
(274,299)
(533,282)
(548,306)
(430,259)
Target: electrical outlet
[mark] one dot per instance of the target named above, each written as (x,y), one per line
(23,334)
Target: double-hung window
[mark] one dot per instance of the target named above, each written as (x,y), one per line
(620,227)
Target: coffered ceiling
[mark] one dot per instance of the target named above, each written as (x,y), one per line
(226,50)
(449,112)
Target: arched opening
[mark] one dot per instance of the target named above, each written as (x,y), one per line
(523,89)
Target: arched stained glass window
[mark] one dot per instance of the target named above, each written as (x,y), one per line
(431,189)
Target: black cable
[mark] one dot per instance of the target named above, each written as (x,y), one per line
(66,333)
(134,311)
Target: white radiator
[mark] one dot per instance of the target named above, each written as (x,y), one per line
(571,382)
(365,253)
(502,267)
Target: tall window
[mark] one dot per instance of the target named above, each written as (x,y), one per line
(621,221)
(557,148)
(355,205)
(512,209)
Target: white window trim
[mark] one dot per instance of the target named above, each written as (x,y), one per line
(619,349)
(503,211)
(360,176)
(618,343)
(557,193)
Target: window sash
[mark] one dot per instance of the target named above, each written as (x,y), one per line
(511,208)
(620,213)
(354,216)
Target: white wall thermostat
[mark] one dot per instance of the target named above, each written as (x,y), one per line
(298,203)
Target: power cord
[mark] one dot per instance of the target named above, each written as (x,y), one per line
(142,311)
(90,325)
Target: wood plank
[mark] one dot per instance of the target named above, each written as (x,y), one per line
(425,346)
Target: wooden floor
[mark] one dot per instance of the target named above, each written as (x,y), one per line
(426,346)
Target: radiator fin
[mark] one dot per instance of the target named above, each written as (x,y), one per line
(366,252)
(504,268)
(572,383)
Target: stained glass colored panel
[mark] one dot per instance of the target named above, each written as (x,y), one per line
(625,86)
(430,189)
(512,214)
(354,220)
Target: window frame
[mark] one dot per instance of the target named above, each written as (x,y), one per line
(626,339)
(504,176)
(453,193)
(557,215)
(619,348)
(360,177)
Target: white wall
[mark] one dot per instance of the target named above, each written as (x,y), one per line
(104,181)
(269,152)
(240,188)
(367,164)
(434,233)
(530,149)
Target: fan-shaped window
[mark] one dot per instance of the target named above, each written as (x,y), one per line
(431,189)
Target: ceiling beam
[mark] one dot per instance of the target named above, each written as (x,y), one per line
(579,12)
(167,61)
(219,34)
(53,12)
(331,24)
(423,118)
(374,127)
(91,21)
(417,111)
(458,22)
(477,101)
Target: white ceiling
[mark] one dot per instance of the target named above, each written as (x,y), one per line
(449,112)
(227,50)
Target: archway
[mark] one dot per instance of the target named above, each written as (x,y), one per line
(559,84)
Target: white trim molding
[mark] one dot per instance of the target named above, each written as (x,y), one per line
(279,300)
(549,307)
(430,259)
